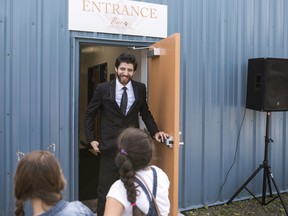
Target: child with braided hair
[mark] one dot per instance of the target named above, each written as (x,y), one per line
(129,195)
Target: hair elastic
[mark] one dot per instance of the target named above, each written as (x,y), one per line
(133,204)
(123,152)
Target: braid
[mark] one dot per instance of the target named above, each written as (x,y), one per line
(135,153)
(19,210)
(127,175)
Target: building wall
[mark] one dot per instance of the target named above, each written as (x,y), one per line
(218,38)
(36,106)
(38,103)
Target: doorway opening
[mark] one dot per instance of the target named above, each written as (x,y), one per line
(164,86)
(97,65)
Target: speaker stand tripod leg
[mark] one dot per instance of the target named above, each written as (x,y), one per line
(269,185)
(267,175)
(277,189)
(265,179)
(264,187)
(245,183)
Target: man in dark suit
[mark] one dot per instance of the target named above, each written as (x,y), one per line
(119,103)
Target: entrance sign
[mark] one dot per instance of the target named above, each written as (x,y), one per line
(118,17)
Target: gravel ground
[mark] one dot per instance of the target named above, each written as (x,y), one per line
(246,207)
(236,208)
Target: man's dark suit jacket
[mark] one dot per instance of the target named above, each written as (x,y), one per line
(112,120)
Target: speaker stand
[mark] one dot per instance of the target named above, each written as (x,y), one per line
(267,174)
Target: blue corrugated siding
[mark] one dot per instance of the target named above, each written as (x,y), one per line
(218,37)
(39,104)
(3,195)
(35,87)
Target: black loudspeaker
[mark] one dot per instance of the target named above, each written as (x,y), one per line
(267,84)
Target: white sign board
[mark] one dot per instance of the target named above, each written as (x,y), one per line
(118,17)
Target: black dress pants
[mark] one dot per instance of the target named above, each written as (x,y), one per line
(108,174)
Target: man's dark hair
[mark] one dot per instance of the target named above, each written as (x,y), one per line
(127,58)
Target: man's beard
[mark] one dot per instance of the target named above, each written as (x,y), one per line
(123,79)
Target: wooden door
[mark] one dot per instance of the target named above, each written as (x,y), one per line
(163,100)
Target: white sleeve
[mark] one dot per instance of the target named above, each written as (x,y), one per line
(118,192)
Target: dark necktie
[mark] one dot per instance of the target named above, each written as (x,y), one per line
(123,104)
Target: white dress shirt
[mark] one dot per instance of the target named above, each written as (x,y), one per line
(119,92)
